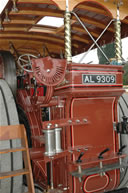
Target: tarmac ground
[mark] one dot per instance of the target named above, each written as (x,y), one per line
(124,190)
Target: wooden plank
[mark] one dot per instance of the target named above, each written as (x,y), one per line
(38,13)
(30,43)
(93,9)
(2,151)
(79,38)
(79,29)
(37,1)
(20,21)
(10,174)
(11,132)
(94,22)
(33,36)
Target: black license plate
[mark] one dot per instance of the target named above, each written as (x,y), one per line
(98,79)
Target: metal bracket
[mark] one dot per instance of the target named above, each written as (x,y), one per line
(97,170)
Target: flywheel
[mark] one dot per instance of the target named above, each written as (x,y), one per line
(10,161)
(123,111)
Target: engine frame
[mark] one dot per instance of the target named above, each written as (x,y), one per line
(57,158)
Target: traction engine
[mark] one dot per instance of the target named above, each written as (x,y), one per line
(77,143)
(77,131)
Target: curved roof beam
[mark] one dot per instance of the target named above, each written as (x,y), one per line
(108,5)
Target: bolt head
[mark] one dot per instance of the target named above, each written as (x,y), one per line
(48,70)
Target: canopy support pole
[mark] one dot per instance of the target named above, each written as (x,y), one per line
(67,21)
(118,43)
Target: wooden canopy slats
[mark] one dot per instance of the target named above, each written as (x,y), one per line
(31,36)
(30,43)
(79,29)
(93,9)
(37,1)
(80,39)
(15,21)
(108,5)
(38,13)
(42,30)
(125,21)
(95,22)
(94,14)
(18,29)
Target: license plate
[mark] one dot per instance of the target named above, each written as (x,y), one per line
(98,79)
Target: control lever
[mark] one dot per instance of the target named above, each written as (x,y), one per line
(101,163)
(79,167)
(121,149)
(101,154)
(79,158)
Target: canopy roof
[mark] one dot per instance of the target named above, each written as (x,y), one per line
(23,32)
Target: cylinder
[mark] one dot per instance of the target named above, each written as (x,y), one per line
(49,142)
(58,148)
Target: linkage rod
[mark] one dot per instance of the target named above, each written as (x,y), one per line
(96,40)
(90,35)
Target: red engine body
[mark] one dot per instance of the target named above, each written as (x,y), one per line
(84,106)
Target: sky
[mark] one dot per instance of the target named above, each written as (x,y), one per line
(94,59)
(2,4)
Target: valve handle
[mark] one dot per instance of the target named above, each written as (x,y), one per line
(79,158)
(101,154)
(121,149)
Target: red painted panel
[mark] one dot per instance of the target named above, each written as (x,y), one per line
(98,134)
(99,112)
(91,185)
